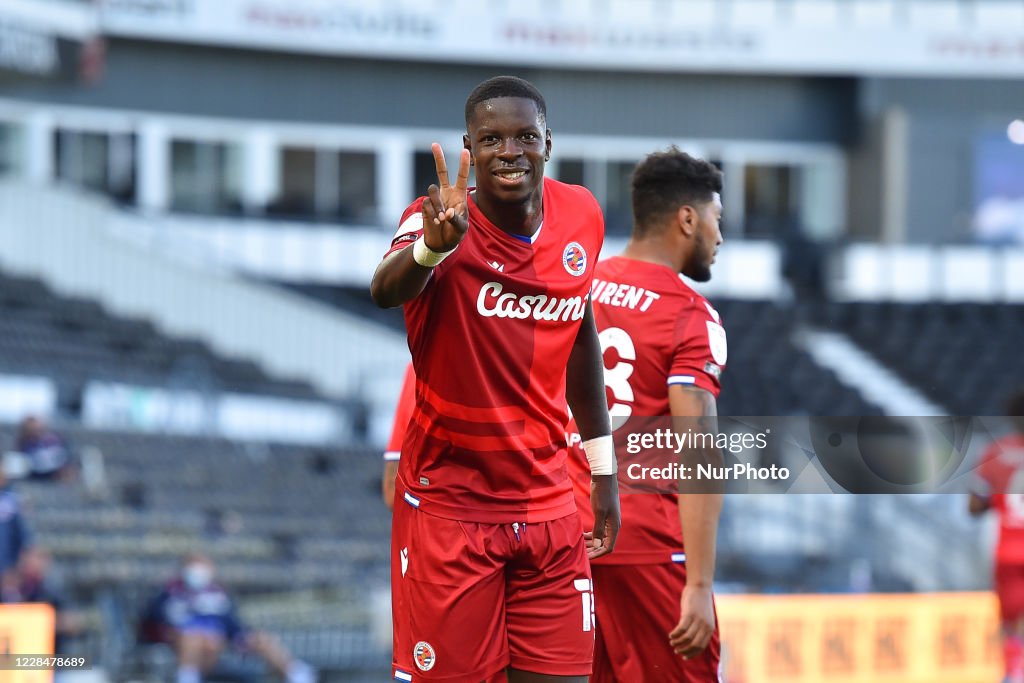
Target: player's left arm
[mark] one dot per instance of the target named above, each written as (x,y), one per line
(584,390)
(695,408)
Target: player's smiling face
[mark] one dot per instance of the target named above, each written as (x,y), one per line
(509,142)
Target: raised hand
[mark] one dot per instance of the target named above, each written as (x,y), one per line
(445,210)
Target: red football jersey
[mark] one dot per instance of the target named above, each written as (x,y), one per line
(406,401)
(655,331)
(490,337)
(1002,471)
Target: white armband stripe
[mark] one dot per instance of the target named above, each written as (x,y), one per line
(413,223)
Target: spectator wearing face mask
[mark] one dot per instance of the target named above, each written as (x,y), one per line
(197,617)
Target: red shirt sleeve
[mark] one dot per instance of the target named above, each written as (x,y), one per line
(406,402)
(409,228)
(701,350)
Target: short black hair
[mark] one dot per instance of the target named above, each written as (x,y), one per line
(665,181)
(504,86)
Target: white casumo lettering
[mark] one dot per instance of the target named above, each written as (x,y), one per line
(491,302)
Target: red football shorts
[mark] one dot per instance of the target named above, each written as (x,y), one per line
(1010,590)
(469,599)
(637,607)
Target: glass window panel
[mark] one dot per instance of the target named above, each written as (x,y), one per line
(10,148)
(424,173)
(358,186)
(81,158)
(618,209)
(770,200)
(201,180)
(297,196)
(570,171)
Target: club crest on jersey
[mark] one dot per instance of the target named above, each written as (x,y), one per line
(574,258)
(717,342)
(423,655)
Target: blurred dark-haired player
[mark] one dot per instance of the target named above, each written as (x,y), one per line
(489,563)
(664,350)
(1000,487)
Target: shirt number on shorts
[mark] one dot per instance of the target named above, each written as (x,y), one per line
(617,378)
(586,589)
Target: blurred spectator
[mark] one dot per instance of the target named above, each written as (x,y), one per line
(196,616)
(48,454)
(14,533)
(32,581)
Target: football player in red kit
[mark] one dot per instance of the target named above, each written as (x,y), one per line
(664,351)
(1001,488)
(489,562)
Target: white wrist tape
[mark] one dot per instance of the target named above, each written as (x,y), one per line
(425,256)
(601,455)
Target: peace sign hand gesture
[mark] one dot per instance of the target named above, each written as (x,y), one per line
(445,210)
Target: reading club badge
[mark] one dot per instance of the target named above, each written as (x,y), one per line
(574,258)
(423,655)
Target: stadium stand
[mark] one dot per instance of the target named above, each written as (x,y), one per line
(73,339)
(306,570)
(966,356)
(769,375)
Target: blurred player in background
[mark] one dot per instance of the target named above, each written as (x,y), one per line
(403,412)
(489,564)
(665,350)
(1000,487)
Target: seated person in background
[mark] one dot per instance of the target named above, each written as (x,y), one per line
(196,616)
(48,454)
(32,581)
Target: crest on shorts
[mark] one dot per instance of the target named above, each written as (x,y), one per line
(423,655)
(574,258)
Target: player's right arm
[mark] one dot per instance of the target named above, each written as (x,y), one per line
(694,408)
(445,215)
